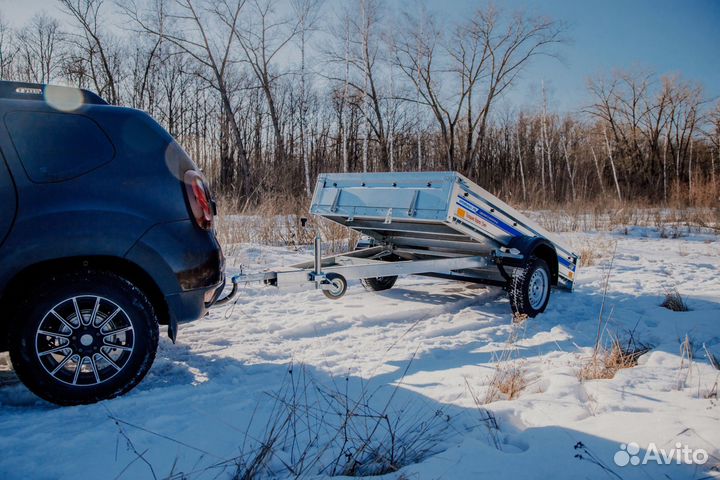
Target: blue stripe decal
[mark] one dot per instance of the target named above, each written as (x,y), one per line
(466,204)
(567,263)
(557,247)
(487,217)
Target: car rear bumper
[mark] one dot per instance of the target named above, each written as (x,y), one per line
(190,305)
(186,264)
(215,294)
(193,304)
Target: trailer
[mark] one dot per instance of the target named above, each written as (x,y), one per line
(437,224)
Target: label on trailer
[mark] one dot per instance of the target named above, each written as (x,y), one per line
(474,214)
(465,215)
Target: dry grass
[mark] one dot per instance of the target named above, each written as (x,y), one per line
(318,428)
(674,301)
(687,349)
(606,361)
(674,220)
(687,355)
(278,222)
(508,381)
(592,251)
(712,358)
(510,377)
(611,356)
(712,393)
(487,418)
(588,255)
(704,193)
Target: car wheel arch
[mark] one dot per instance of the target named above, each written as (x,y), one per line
(119,266)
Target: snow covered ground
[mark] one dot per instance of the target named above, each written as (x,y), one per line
(419,358)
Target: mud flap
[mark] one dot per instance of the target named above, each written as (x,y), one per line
(172,328)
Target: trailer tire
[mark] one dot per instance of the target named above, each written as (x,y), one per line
(378,284)
(339,286)
(530,288)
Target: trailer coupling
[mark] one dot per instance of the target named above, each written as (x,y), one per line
(331,283)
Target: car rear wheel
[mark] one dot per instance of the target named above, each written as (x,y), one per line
(83,337)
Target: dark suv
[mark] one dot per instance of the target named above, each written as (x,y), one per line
(106,232)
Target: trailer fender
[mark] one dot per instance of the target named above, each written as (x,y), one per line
(536,247)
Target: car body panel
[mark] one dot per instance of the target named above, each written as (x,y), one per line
(179,257)
(132,207)
(8,201)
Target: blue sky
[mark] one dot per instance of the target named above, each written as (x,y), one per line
(663,36)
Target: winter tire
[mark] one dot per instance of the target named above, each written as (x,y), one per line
(83,337)
(530,288)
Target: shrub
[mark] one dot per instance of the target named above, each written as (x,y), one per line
(674,301)
(509,380)
(607,360)
(319,429)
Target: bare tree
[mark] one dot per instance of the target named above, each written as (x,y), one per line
(262,36)
(237,83)
(483,58)
(570,172)
(147,57)
(94,45)
(686,101)
(360,54)
(612,165)
(306,11)
(8,49)
(39,43)
(713,135)
(192,36)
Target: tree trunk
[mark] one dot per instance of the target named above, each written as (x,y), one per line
(520,161)
(597,169)
(612,166)
(569,171)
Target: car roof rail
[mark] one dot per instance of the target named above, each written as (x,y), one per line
(36,91)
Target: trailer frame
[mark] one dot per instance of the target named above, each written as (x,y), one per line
(437,224)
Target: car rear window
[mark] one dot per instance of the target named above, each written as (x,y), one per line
(58,146)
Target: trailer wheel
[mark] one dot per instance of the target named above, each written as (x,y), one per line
(530,288)
(378,284)
(338,286)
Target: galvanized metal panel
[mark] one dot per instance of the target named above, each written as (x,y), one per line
(444,211)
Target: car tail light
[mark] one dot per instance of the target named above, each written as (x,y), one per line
(198,195)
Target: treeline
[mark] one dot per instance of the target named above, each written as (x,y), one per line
(265,94)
